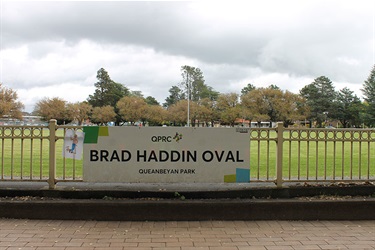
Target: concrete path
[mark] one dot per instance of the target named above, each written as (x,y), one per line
(184,235)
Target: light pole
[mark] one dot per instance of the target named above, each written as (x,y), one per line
(326,116)
(188,99)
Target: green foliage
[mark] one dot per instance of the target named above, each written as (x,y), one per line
(107,91)
(193,83)
(175,94)
(249,87)
(320,96)
(369,96)
(151,101)
(348,109)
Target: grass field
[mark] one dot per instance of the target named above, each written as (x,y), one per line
(21,157)
(301,160)
(314,160)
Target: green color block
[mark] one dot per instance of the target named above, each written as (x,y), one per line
(230,178)
(91,134)
(103,131)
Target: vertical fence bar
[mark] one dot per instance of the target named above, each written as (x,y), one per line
(31,156)
(2,159)
(41,154)
(12,157)
(268,156)
(343,160)
(64,158)
(325,159)
(299,157)
(334,160)
(360,159)
(368,158)
(351,153)
(52,154)
(316,157)
(290,160)
(308,158)
(258,143)
(21,166)
(279,158)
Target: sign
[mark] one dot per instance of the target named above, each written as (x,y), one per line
(73,144)
(166,154)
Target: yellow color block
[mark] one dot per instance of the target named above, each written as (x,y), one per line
(230,178)
(103,131)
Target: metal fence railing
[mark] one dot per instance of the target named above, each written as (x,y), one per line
(312,155)
(279,155)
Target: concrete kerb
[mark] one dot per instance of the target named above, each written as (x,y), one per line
(185,202)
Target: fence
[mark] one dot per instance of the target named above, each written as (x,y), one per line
(34,153)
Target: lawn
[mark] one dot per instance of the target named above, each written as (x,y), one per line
(20,157)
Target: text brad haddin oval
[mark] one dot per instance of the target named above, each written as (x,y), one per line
(165,156)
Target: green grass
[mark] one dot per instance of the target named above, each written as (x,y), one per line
(313,160)
(348,160)
(32,156)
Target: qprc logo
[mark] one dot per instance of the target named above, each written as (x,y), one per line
(177,137)
(166,138)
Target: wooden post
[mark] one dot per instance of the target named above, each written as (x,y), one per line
(52,153)
(279,154)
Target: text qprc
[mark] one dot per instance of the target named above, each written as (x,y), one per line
(161,138)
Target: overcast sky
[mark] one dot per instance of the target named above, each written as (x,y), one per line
(54,49)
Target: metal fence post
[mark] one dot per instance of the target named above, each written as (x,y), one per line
(52,153)
(279,154)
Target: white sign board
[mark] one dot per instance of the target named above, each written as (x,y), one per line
(166,154)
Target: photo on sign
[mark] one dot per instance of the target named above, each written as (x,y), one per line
(73,144)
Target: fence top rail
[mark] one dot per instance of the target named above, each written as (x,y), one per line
(332,129)
(22,126)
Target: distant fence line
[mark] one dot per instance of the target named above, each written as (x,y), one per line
(279,155)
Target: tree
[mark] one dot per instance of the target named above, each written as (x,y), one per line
(208,93)
(273,86)
(78,111)
(320,96)
(136,93)
(9,105)
(228,107)
(151,101)
(132,108)
(103,115)
(107,92)
(254,107)
(177,113)
(206,114)
(155,115)
(292,108)
(369,96)
(194,86)
(192,81)
(54,108)
(272,104)
(348,108)
(247,89)
(175,94)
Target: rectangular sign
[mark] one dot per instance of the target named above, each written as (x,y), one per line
(166,154)
(73,144)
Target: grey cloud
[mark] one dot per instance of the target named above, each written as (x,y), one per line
(297,38)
